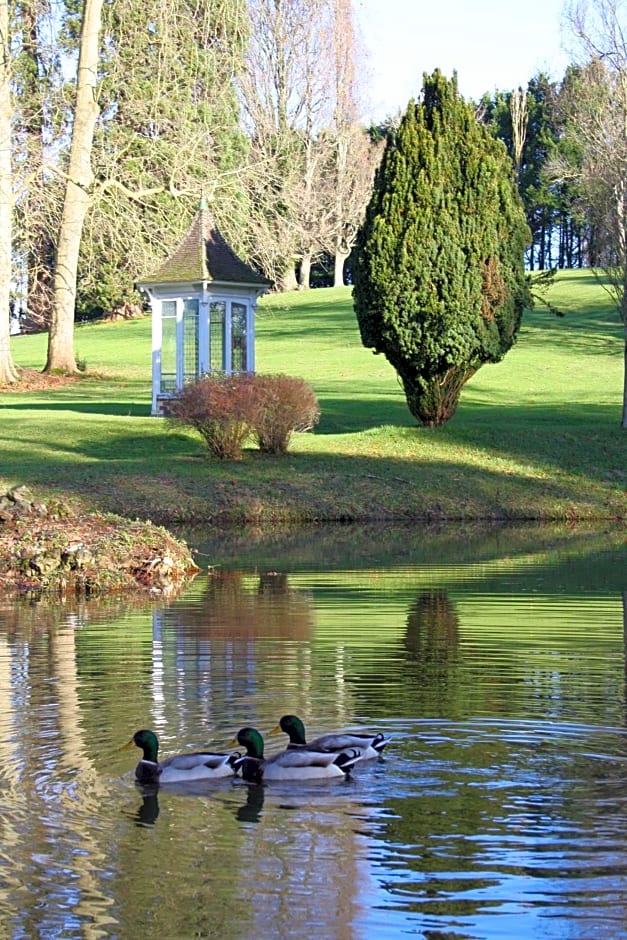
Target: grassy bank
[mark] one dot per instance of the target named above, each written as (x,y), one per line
(535,437)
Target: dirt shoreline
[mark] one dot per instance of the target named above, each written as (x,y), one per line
(50,548)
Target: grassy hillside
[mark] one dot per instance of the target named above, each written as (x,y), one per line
(535,437)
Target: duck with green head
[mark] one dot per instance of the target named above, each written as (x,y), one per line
(298,764)
(369,745)
(197,765)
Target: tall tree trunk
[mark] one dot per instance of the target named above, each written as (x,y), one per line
(40,254)
(304,276)
(520,116)
(287,280)
(338,265)
(8,372)
(623,423)
(624,419)
(76,203)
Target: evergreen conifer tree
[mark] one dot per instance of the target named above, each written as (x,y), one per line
(440,284)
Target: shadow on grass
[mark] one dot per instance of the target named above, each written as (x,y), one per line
(581,340)
(133,409)
(547,433)
(354,415)
(169,479)
(575,438)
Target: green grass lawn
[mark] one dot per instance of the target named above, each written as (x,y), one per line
(535,437)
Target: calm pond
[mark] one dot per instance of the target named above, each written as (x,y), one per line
(495,660)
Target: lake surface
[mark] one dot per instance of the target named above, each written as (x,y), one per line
(495,659)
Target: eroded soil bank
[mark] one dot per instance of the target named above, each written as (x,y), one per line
(46,547)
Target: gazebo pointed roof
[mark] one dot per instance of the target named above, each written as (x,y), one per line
(204,255)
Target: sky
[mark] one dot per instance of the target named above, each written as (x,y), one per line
(491,44)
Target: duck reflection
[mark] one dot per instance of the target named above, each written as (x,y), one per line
(148,810)
(273,583)
(250,811)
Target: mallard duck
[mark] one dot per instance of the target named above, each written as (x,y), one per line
(198,765)
(297,764)
(369,745)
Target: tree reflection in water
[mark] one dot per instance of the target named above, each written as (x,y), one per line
(432,629)
(234,605)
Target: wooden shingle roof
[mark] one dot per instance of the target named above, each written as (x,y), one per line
(204,255)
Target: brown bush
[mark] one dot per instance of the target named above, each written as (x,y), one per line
(221,408)
(284,404)
(227,409)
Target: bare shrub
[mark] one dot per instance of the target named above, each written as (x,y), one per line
(221,408)
(284,404)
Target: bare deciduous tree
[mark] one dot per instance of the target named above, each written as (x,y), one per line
(519,113)
(353,154)
(149,125)
(285,95)
(40,133)
(348,187)
(598,115)
(8,372)
(300,106)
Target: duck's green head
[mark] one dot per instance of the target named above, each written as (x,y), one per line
(293,726)
(252,741)
(148,742)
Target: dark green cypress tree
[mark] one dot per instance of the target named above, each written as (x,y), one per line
(439,277)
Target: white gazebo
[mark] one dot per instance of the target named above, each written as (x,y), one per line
(203,300)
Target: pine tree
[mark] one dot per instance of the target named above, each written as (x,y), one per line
(440,285)
(168,131)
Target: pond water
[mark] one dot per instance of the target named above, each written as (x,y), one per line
(495,660)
